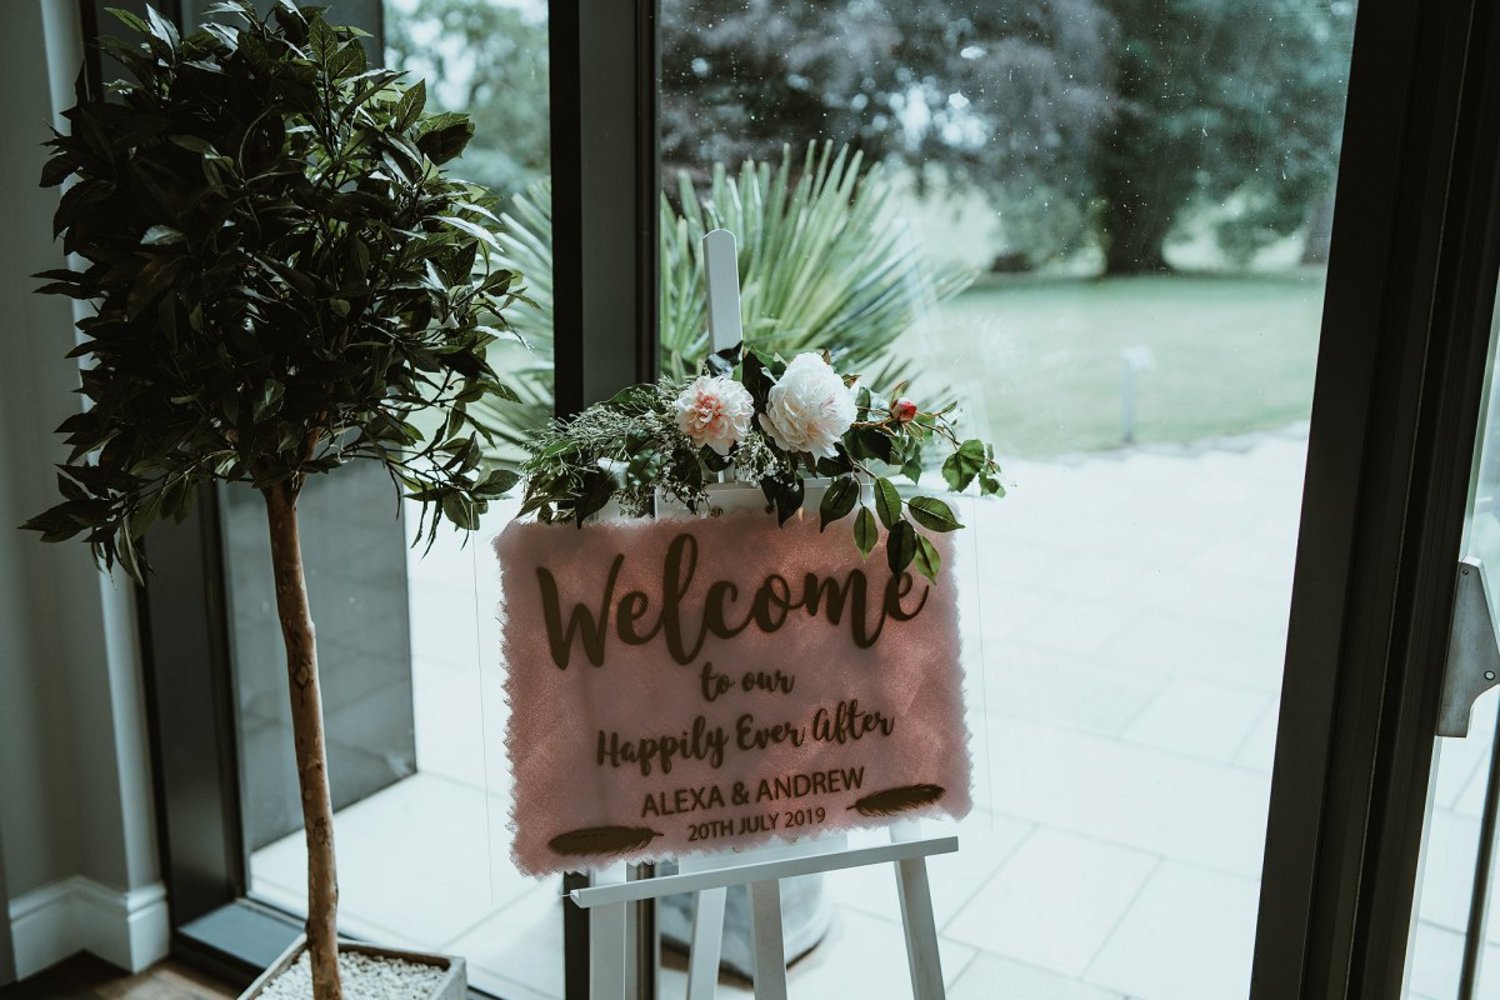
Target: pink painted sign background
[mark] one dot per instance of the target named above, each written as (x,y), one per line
(786,720)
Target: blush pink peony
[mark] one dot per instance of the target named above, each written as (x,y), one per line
(715,410)
(809,408)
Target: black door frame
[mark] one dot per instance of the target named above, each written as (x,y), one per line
(1401,363)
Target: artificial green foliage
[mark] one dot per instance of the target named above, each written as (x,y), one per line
(825,264)
(630,446)
(283,278)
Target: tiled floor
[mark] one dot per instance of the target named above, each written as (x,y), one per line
(1125,620)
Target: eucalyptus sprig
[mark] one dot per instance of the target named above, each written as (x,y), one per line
(627,447)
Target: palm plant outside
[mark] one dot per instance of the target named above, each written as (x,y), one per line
(825,263)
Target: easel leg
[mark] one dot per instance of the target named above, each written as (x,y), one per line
(766,940)
(921,929)
(708,940)
(607,952)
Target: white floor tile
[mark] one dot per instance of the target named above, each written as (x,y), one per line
(1076,626)
(415,858)
(990,977)
(1249,655)
(521,944)
(863,956)
(1258,752)
(1190,934)
(1043,685)
(984,845)
(1054,903)
(1162,803)
(449,716)
(1199,718)
(1434,961)
(1447,877)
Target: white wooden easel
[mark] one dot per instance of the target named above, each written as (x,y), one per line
(708,877)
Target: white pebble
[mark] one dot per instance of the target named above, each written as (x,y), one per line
(365,977)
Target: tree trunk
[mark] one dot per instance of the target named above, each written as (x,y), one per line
(307,729)
(1134,220)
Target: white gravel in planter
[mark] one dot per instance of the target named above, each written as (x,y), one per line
(365,978)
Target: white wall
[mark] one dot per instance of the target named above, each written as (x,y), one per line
(76,832)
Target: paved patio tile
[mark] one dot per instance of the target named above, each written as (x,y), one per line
(1224,597)
(863,956)
(1434,961)
(1182,642)
(1124,633)
(414,859)
(1151,800)
(1062,689)
(1078,626)
(449,717)
(990,977)
(1258,752)
(1199,718)
(1055,902)
(985,842)
(518,951)
(1189,935)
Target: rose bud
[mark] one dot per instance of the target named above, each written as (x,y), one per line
(903,411)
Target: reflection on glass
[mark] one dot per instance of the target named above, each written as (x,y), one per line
(1461,775)
(1102,223)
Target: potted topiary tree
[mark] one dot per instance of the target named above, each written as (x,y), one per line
(284,281)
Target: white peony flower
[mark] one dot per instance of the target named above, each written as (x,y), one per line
(809,407)
(715,410)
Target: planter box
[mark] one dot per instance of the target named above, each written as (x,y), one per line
(454,986)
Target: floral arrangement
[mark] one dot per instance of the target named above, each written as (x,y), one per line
(767,421)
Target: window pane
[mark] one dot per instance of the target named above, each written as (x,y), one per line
(1102,225)
(414,718)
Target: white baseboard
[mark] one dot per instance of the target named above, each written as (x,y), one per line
(127,929)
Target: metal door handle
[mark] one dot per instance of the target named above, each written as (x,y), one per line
(1473,665)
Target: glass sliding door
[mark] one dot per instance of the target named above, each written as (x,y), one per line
(1104,226)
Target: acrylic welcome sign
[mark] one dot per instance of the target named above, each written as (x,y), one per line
(693,685)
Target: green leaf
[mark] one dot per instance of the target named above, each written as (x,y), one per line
(162,28)
(159,235)
(927,560)
(472,228)
(788,500)
(887,502)
(598,487)
(129,19)
(444,136)
(497,482)
(457,509)
(866,532)
(912,467)
(270,400)
(963,465)
(900,546)
(839,499)
(933,514)
(409,108)
(57,169)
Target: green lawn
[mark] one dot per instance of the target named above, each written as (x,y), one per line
(1038,361)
